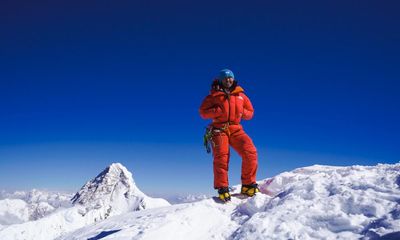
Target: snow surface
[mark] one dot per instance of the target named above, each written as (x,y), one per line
(186,199)
(21,206)
(114,192)
(111,193)
(13,211)
(317,202)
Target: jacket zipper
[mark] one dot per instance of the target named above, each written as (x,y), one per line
(229,108)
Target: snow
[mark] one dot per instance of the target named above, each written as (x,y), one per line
(185,198)
(22,206)
(112,192)
(316,202)
(200,220)
(329,202)
(55,199)
(13,211)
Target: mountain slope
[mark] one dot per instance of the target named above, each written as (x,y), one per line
(21,206)
(114,192)
(317,202)
(111,193)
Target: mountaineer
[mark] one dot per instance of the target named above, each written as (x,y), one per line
(227,105)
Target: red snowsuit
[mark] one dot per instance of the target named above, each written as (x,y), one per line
(226,111)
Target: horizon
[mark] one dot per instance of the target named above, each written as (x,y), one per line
(85,84)
(168,196)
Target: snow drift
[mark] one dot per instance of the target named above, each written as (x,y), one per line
(323,202)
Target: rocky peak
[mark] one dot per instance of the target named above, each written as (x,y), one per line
(114,179)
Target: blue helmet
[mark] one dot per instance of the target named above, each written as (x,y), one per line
(225,73)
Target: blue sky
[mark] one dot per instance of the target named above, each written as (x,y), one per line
(85,84)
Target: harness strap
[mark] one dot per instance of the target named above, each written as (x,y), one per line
(225,127)
(207,138)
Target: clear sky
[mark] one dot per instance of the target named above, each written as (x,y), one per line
(87,83)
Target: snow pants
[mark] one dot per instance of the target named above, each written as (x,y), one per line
(243,145)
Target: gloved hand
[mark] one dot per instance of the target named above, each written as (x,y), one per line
(215,85)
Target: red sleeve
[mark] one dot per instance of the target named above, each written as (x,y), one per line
(248,110)
(208,109)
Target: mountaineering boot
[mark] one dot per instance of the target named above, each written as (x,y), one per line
(223,194)
(250,190)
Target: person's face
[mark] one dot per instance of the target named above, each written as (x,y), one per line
(227,82)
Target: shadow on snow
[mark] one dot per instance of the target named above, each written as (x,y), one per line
(103,234)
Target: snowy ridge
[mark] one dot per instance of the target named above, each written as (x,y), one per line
(22,206)
(317,202)
(55,199)
(186,199)
(323,202)
(105,184)
(111,193)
